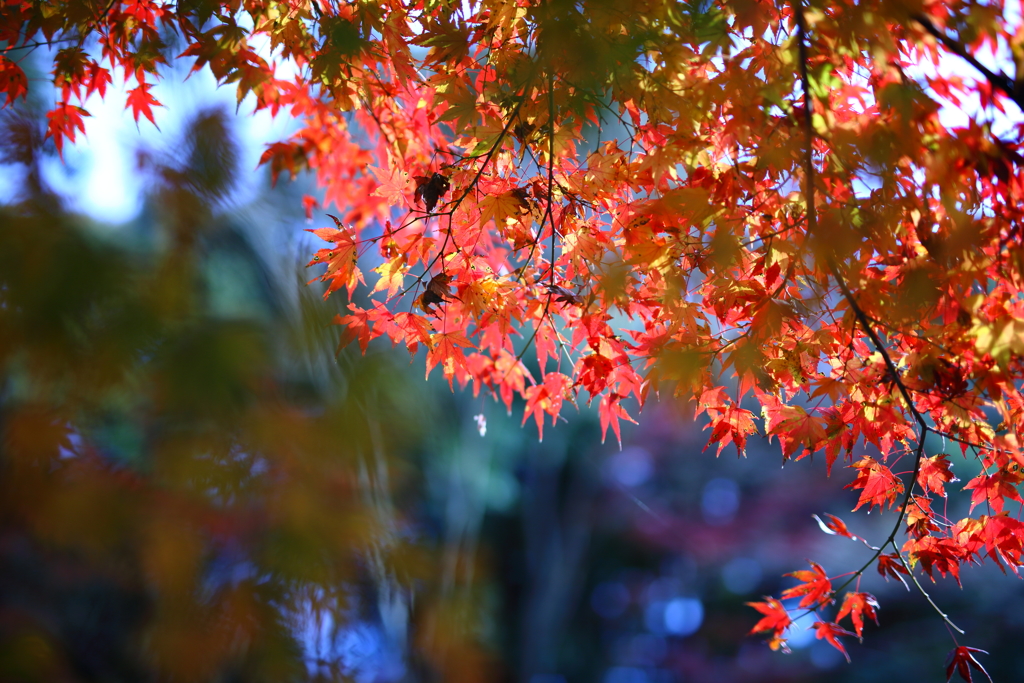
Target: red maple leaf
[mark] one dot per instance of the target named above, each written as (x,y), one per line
(341,258)
(413,330)
(794,427)
(830,632)
(920,518)
(141,102)
(13,82)
(1003,539)
(308,204)
(99,78)
(610,411)
(546,398)
(816,589)
(879,486)
(857,605)
(891,565)
(942,554)
(731,425)
(776,618)
(961,659)
(935,474)
(835,526)
(992,489)
(64,121)
(356,326)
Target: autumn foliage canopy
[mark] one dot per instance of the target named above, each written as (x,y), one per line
(760,208)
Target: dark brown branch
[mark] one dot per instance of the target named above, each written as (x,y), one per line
(876,341)
(1000,81)
(919,451)
(551,172)
(805,83)
(812,224)
(80,39)
(862,321)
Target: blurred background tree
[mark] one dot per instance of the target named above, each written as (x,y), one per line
(189,483)
(193,487)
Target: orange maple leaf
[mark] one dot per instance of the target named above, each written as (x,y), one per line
(446,350)
(394,185)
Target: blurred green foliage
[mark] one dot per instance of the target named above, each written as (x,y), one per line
(178,494)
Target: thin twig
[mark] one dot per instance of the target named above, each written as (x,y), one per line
(917,583)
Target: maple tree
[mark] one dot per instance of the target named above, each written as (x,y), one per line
(755,207)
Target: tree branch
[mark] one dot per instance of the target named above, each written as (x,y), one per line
(862,318)
(1000,81)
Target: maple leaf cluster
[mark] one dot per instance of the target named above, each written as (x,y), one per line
(754,207)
